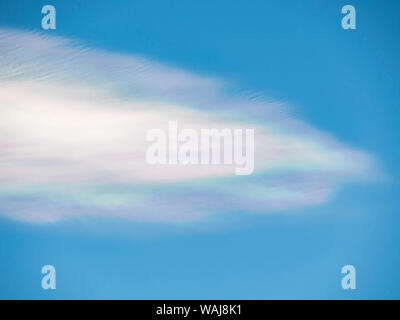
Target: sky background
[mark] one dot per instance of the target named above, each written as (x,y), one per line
(343,82)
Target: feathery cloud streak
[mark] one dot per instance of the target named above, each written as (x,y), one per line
(73,122)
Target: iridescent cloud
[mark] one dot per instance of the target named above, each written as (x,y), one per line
(73,122)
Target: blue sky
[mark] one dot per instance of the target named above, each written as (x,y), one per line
(345,83)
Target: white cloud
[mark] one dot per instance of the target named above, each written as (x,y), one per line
(73,123)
